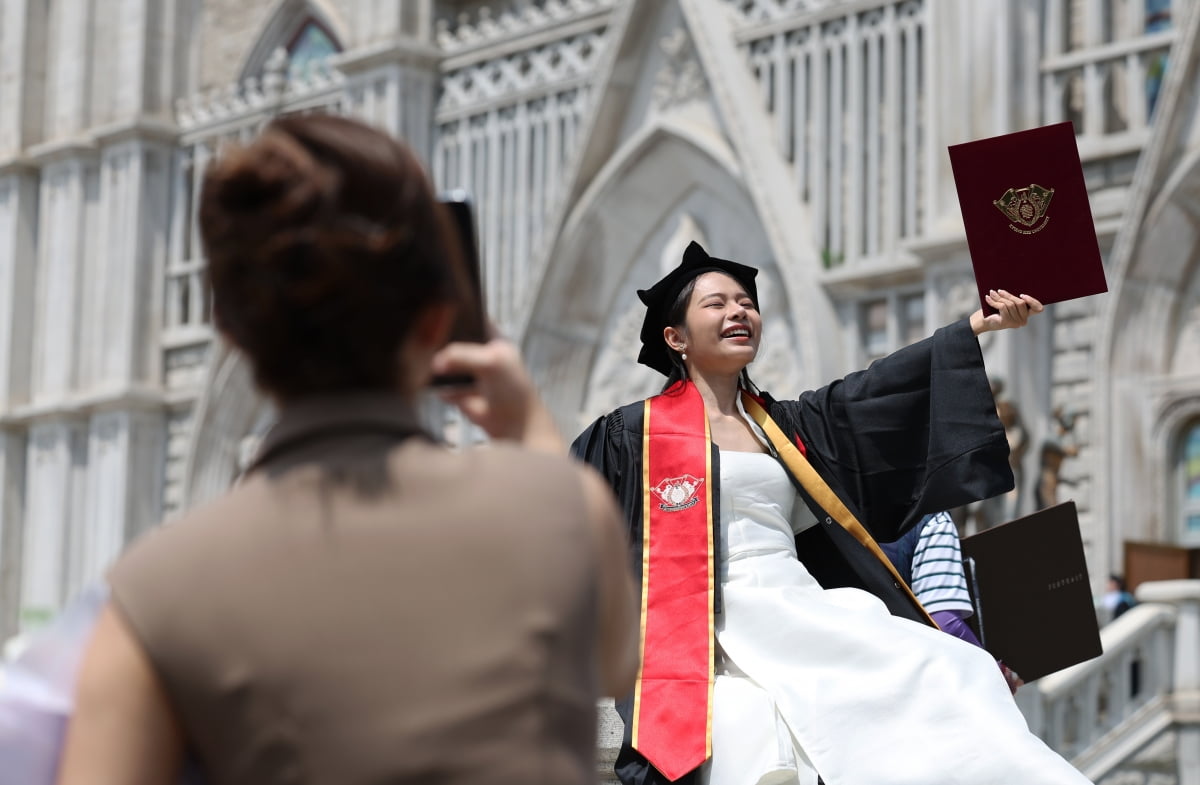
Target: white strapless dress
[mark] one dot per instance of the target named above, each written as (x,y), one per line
(812,680)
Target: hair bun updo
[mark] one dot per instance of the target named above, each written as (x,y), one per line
(324,243)
(275,181)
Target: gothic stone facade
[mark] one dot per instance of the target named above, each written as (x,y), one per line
(807,137)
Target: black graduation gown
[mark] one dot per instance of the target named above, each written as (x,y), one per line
(914,433)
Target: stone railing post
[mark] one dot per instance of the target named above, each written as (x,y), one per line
(1186,693)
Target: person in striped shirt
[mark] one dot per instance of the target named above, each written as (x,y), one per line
(929,557)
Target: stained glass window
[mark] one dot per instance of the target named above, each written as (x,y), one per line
(312,44)
(1191,481)
(1158,18)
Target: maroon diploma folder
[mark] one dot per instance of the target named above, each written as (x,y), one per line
(1025,207)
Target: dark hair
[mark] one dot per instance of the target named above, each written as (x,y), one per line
(324,244)
(677,318)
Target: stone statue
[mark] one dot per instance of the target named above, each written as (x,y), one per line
(1055,449)
(999,509)
(1018,444)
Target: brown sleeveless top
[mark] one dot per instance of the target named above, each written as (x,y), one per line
(369,608)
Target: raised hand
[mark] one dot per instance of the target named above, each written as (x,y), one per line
(1013,310)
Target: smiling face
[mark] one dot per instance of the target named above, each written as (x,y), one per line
(721,329)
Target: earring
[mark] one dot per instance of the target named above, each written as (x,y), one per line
(683,356)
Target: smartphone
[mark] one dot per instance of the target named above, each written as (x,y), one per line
(471,321)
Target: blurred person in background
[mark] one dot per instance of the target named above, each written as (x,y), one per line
(1117,599)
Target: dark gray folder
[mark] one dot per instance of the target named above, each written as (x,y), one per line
(1033,600)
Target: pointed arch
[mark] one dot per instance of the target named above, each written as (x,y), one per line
(229,410)
(285,25)
(1151,322)
(612,242)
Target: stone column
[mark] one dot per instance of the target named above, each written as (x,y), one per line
(130,82)
(18,218)
(118,351)
(12,522)
(22,72)
(67,187)
(126,455)
(69,68)
(1185,697)
(18,214)
(144,70)
(121,295)
(981,82)
(55,462)
(393,87)
(376,21)
(392,69)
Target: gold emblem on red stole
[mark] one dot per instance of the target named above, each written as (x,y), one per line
(677,493)
(1026,207)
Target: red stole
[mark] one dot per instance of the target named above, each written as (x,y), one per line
(672,711)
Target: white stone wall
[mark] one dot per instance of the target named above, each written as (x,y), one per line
(84,153)
(227,31)
(96,200)
(101,386)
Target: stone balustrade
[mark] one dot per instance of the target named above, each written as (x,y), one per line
(1142,693)
(278,85)
(1143,690)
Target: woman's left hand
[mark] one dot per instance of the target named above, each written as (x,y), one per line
(1012,311)
(1011,678)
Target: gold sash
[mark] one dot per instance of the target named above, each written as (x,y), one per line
(812,482)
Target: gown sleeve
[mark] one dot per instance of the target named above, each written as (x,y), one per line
(612,446)
(914,433)
(599,447)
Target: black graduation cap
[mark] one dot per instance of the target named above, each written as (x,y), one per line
(659,298)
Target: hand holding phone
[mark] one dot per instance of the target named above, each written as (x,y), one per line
(502,400)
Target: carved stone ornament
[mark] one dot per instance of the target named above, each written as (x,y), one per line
(490,27)
(777,367)
(505,78)
(751,12)
(680,79)
(616,378)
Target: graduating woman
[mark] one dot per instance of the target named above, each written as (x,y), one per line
(777,640)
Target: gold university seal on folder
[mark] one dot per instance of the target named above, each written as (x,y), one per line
(1027,207)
